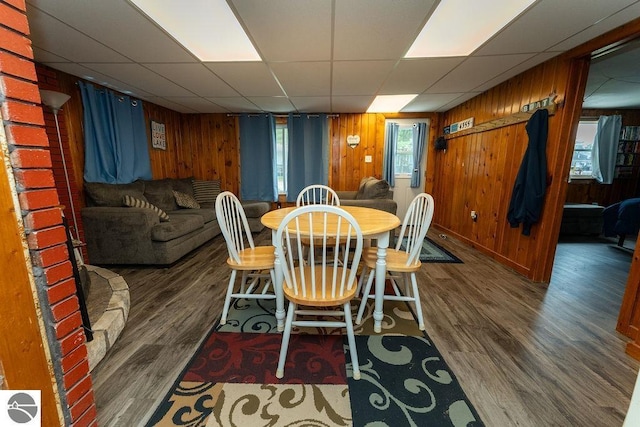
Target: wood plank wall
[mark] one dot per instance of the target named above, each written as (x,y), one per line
(478,171)
(590,191)
(204,146)
(347,165)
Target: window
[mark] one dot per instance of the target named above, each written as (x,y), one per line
(282,148)
(403,161)
(581,160)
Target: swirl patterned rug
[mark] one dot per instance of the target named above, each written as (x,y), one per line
(230,381)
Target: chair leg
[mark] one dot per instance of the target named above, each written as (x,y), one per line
(352,341)
(361,280)
(227,298)
(285,340)
(416,299)
(365,296)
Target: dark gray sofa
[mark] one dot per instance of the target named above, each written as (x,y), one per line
(116,234)
(372,193)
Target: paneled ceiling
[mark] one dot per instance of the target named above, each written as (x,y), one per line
(330,56)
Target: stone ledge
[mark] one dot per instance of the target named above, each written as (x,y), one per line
(111,323)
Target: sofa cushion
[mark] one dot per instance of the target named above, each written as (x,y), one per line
(183,185)
(206,191)
(186,200)
(132,202)
(373,188)
(102,194)
(255,209)
(160,193)
(207,215)
(179,226)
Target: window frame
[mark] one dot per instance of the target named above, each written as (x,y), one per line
(572,176)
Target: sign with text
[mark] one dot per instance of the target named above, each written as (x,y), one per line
(158,136)
(460,126)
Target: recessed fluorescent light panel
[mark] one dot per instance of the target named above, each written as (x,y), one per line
(207,28)
(458,27)
(390,103)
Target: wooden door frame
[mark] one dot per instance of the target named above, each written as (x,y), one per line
(629,317)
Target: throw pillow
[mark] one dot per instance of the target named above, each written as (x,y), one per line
(132,202)
(186,200)
(206,191)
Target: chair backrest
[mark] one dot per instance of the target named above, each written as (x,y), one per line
(317,195)
(233,224)
(415,225)
(331,274)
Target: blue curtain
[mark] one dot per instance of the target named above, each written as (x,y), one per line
(419,138)
(116,149)
(605,148)
(388,160)
(308,152)
(257,157)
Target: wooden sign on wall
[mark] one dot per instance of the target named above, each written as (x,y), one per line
(158,136)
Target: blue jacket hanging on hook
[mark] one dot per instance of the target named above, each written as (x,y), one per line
(531,182)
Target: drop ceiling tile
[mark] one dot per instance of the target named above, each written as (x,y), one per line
(353,78)
(288,30)
(312,104)
(121,26)
(316,80)
(45,57)
(276,104)
(416,75)
(475,71)
(98,78)
(198,104)
(533,33)
(170,105)
(464,97)
(529,63)
(247,78)
(147,80)
(236,104)
(431,102)
(368,29)
(56,41)
(195,77)
(599,27)
(614,94)
(350,104)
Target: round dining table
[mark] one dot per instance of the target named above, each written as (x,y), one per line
(374,223)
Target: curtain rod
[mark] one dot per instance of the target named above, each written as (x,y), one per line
(281,115)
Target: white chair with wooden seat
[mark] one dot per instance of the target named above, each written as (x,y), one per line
(244,255)
(317,195)
(404,260)
(325,281)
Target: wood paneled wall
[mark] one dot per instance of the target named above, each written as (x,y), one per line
(591,191)
(478,171)
(347,165)
(204,146)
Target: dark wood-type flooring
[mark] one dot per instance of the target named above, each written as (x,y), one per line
(526,354)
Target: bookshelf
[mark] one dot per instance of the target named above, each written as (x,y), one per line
(628,156)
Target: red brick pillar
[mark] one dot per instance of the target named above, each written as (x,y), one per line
(30,160)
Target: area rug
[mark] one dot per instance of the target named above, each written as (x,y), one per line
(230,381)
(433,252)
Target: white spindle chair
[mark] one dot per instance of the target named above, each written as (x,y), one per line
(244,256)
(323,281)
(404,260)
(317,194)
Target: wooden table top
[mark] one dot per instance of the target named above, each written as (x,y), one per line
(371,221)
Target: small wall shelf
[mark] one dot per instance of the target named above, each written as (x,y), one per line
(512,119)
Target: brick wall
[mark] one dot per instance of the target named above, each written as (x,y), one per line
(31,159)
(48,79)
